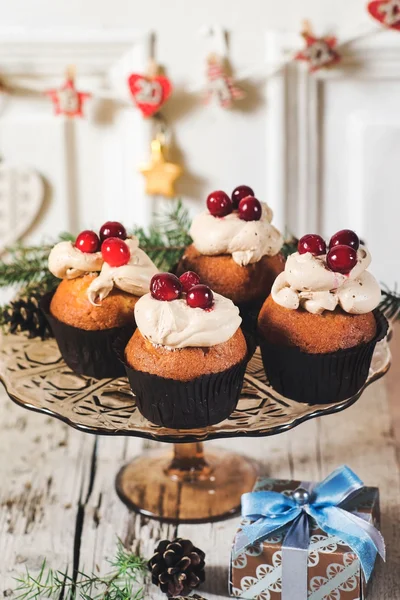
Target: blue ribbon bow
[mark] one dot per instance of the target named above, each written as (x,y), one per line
(272,511)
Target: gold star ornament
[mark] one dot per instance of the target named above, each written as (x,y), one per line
(160,175)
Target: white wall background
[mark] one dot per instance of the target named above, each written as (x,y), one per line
(219,149)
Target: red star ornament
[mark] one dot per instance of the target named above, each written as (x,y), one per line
(319,52)
(387,12)
(67,100)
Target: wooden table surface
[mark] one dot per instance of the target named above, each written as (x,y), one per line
(57,497)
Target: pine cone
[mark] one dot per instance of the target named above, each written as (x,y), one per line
(177,567)
(24,314)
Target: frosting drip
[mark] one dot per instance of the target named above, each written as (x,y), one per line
(177,325)
(134,277)
(67,262)
(246,241)
(307,282)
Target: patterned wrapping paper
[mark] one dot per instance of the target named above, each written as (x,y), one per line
(334,571)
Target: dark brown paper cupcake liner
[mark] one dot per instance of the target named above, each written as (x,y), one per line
(249,313)
(88,353)
(320,378)
(194,404)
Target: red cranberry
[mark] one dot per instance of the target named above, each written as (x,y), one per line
(115,252)
(242,191)
(200,296)
(219,204)
(87,241)
(341,259)
(188,280)
(250,209)
(112,229)
(165,286)
(311,243)
(345,237)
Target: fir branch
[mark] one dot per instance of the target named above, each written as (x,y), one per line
(120,584)
(27,266)
(390,304)
(289,245)
(176,225)
(166,240)
(23,271)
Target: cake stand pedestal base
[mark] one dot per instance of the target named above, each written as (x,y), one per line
(188,486)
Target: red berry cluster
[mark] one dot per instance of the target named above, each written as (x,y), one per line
(242,199)
(342,253)
(110,242)
(167,287)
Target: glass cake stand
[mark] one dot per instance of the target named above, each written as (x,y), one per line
(186,485)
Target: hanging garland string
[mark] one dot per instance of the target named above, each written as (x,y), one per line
(150,90)
(26,267)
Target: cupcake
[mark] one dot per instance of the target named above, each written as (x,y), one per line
(236,249)
(319,327)
(102,279)
(187,358)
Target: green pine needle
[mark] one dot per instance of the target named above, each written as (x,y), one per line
(121,583)
(166,240)
(26,268)
(289,245)
(27,265)
(127,562)
(390,304)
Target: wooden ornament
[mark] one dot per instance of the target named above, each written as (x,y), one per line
(319,52)
(67,100)
(387,12)
(220,85)
(150,91)
(160,175)
(21,198)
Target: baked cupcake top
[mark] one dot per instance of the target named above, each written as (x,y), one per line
(117,257)
(240,226)
(318,279)
(182,313)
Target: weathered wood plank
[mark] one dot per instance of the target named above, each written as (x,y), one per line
(367,445)
(392,382)
(362,437)
(45,471)
(107,518)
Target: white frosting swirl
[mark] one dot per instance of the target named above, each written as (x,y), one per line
(246,241)
(134,277)
(176,325)
(67,262)
(307,282)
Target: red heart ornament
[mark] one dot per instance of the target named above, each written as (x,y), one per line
(386,12)
(149,93)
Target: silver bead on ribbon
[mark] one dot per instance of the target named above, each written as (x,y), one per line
(301,496)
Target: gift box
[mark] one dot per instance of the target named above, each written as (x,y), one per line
(332,570)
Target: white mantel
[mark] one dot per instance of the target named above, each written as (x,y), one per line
(322,150)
